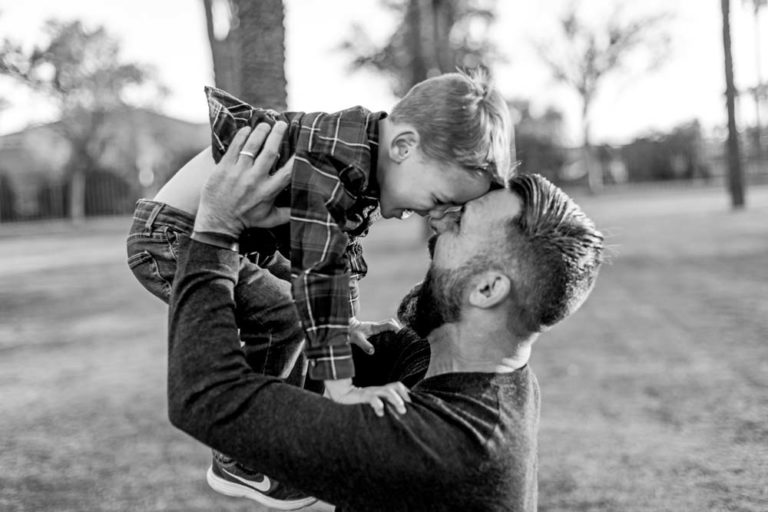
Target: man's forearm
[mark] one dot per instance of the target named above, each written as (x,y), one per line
(213,395)
(204,348)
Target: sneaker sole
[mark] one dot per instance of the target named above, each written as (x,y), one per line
(233,490)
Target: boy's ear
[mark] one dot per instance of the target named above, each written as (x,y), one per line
(403,144)
(490,289)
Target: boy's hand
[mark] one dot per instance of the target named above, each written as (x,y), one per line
(342,391)
(359,332)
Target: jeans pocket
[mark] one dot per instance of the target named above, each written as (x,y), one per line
(173,238)
(146,269)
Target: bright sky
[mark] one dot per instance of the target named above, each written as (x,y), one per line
(170,34)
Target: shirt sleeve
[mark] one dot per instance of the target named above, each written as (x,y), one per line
(228,114)
(320,266)
(357,270)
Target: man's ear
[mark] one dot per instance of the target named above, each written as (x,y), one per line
(491,288)
(404,143)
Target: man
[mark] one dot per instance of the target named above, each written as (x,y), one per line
(517,261)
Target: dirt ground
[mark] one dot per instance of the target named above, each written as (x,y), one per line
(654,395)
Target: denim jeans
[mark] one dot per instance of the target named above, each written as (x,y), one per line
(268,322)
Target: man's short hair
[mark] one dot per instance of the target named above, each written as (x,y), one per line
(460,118)
(555,251)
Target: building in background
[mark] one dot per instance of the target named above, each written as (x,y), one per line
(142,152)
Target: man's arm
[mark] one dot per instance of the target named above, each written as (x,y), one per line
(213,394)
(333,451)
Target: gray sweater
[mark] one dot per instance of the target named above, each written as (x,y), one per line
(467,442)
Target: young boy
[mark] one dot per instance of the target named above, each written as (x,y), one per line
(442,145)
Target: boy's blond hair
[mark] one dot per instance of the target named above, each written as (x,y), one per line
(460,119)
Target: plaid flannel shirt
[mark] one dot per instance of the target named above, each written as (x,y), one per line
(333,199)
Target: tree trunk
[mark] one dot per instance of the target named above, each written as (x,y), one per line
(444,17)
(419,67)
(261,32)
(225,52)
(759,86)
(77,194)
(594,172)
(735,172)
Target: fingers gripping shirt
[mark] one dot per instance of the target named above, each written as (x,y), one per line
(333,199)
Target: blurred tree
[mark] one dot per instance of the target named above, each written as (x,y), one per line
(585,54)
(735,172)
(221,24)
(7,199)
(247,41)
(760,89)
(538,139)
(432,37)
(262,39)
(81,72)
(672,155)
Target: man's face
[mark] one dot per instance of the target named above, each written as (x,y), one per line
(439,298)
(459,240)
(476,231)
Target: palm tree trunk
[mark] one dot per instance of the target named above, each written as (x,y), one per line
(594,172)
(77,194)
(735,172)
(758,88)
(225,51)
(262,48)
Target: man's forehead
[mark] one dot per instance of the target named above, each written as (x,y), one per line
(497,204)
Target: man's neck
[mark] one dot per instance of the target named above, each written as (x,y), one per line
(485,351)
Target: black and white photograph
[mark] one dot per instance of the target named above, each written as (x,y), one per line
(383,255)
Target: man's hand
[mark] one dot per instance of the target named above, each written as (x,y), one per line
(359,332)
(240,192)
(342,391)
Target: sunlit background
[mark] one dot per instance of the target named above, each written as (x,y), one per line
(171,36)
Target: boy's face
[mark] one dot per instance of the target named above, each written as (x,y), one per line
(427,187)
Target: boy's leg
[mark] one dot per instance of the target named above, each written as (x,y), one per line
(266,316)
(269,324)
(159,233)
(153,244)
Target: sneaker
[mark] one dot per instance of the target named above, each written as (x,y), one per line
(229,478)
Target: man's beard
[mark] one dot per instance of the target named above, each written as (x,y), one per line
(437,300)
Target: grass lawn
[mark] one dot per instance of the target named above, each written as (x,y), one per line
(654,396)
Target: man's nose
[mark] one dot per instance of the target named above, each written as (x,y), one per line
(438,212)
(445,221)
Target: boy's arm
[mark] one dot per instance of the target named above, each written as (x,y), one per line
(227,116)
(321,278)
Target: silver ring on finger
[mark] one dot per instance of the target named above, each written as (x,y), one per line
(248,154)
